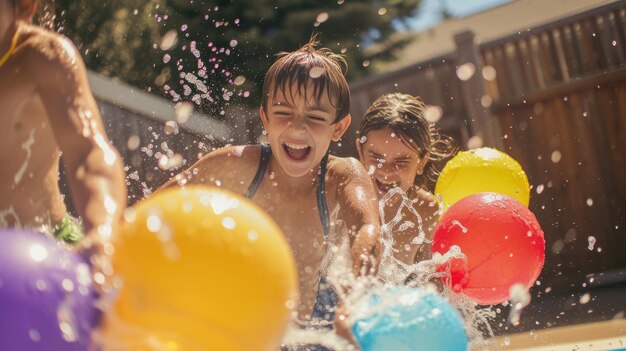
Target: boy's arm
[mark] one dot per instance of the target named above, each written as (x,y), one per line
(93,166)
(359,207)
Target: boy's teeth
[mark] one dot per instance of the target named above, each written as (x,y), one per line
(296,146)
(297,151)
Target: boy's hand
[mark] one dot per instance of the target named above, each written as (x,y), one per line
(365,251)
(343,328)
(97,252)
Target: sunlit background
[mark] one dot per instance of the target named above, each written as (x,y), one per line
(544,81)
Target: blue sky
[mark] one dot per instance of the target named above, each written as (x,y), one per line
(430,10)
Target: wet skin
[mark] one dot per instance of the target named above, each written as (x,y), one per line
(47,109)
(299,130)
(392,163)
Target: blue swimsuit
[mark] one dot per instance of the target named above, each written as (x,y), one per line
(326,299)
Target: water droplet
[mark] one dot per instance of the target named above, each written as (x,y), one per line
(183,111)
(133,142)
(589,202)
(489,72)
(34,335)
(37,252)
(41,285)
(457,223)
(366,63)
(465,71)
(382,11)
(252,235)
(169,40)
(290,304)
(475,142)
(168,163)
(153,223)
(130,215)
(228,223)
(68,332)
(486,101)
(171,127)
(592,241)
(322,17)
(433,113)
(316,72)
(558,246)
(556,156)
(540,188)
(585,299)
(67,285)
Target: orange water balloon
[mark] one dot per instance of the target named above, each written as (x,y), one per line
(204,269)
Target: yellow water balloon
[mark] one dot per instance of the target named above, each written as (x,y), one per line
(482,170)
(201,268)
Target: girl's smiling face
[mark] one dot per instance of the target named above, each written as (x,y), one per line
(390,160)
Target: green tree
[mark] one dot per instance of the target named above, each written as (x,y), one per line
(217,52)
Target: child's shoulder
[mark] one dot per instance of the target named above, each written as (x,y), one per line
(427,205)
(240,156)
(229,166)
(47,49)
(424,200)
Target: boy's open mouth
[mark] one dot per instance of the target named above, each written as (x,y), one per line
(297,152)
(385,187)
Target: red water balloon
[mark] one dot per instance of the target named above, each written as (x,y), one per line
(501,240)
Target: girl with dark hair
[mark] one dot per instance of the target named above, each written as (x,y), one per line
(398,146)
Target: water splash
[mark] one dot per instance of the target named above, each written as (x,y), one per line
(26,145)
(355,292)
(6,215)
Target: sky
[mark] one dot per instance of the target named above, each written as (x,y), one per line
(430,10)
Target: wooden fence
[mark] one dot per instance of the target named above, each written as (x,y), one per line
(554,98)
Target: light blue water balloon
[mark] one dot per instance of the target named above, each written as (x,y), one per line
(406,319)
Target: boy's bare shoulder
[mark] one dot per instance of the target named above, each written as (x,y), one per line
(240,154)
(229,164)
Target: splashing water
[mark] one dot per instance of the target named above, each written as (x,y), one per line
(391,273)
(520,298)
(27,145)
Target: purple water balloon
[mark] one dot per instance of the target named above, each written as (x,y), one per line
(46,294)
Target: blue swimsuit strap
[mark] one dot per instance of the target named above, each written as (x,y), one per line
(322,206)
(266,152)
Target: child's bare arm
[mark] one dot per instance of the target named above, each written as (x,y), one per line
(359,206)
(94,168)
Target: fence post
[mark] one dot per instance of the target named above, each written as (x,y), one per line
(482,123)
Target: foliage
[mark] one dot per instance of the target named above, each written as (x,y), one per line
(222,47)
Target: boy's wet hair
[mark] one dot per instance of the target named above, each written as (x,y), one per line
(404,114)
(297,68)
